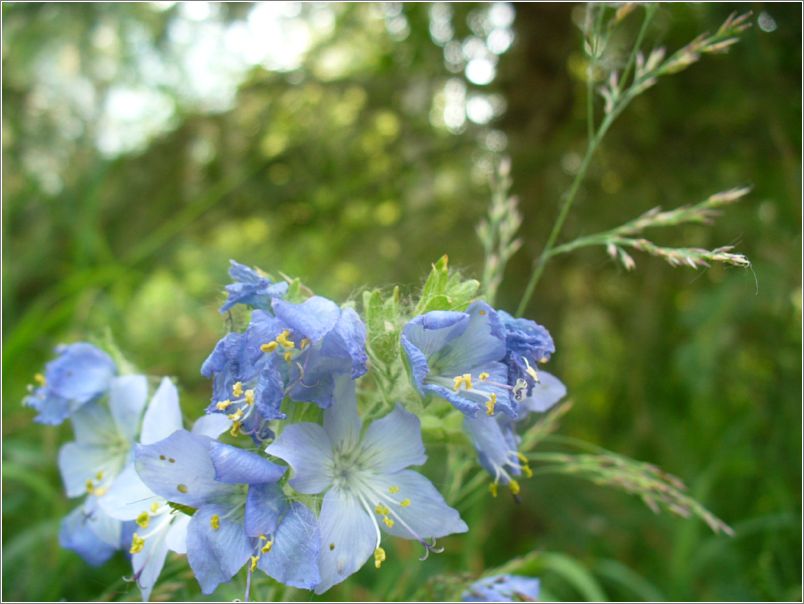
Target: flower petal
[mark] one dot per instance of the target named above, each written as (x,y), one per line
(307,450)
(238,466)
(211,425)
(496,444)
(313,318)
(503,588)
(148,563)
(127,397)
(426,515)
(179,469)
(348,538)
(127,496)
(394,442)
(265,505)
(216,554)
(177,533)
(93,424)
(80,463)
(341,421)
(293,559)
(482,342)
(80,373)
(163,415)
(545,394)
(433,331)
(75,533)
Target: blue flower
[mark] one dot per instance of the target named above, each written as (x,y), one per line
(104,435)
(459,356)
(503,588)
(496,440)
(78,375)
(251,288)
(527,343)
(91,533)
(241,512)
(296,352)
(366,484)
(157,527)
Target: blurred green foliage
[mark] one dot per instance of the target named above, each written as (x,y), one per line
(352,164)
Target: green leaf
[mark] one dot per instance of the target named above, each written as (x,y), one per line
(382,324)
(444,290)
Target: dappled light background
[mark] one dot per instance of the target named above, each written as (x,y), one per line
(144,145)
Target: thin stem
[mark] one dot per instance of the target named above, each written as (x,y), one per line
(569,199)
(650,9)
(594,141)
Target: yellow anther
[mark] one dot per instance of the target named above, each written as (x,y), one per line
(254,560)
(250,397)
(154,507)
(405,503)
(514,486)
(269,347)
(304,343)
(393,489)
(483,376)
(491,403)
(531,371)
(99,475)
(527,471)
(235,431)
(137,543)
(482,313)
(283,341)
(381,509)
(379,557)
(464,380)
(215,522)
(90,487)
(143,520)
(493,489)
(40,379)
(521,457)
(263,538)
(221,406)
(267,547)
(237,389)
(543,360)
(181,488)
(100,491)
(236,415)
(388,521)
(288,356)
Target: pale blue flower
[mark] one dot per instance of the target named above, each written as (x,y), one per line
(91,533)
(79,374)
(159,527)
(458,356)
(251,288)
(366,484)
(496,440)
(241,515)
(503,588)
(104,435)
(295,352)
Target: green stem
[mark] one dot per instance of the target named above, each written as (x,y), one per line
(650,9)
(569,199)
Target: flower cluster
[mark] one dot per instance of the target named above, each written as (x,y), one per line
(307,503)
